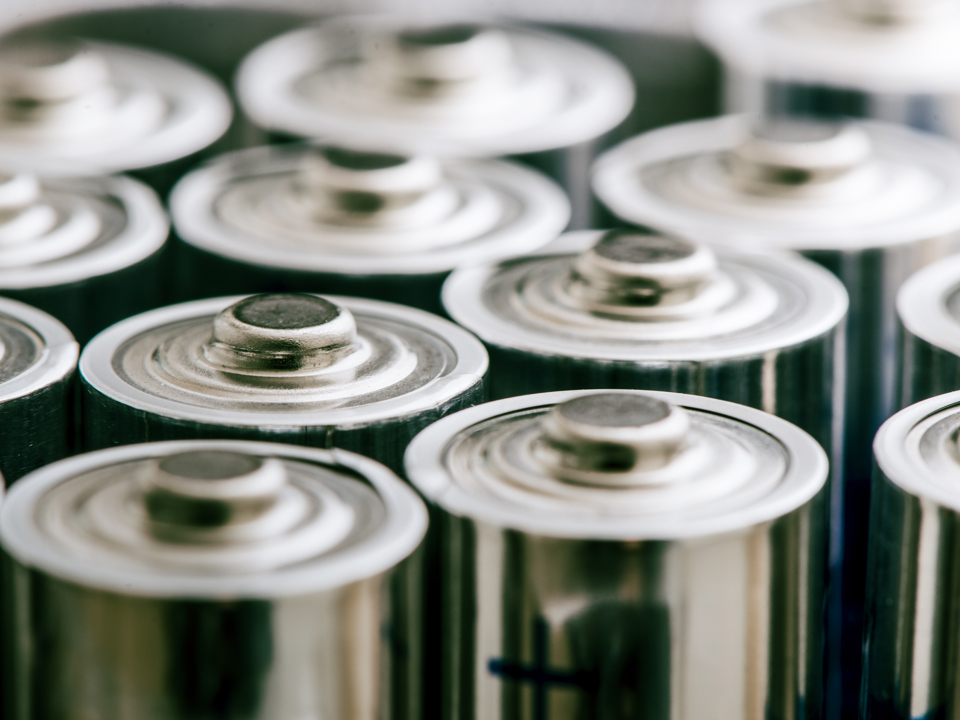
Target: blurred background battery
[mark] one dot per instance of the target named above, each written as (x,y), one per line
(38,359)
(870,202)
(336,220)
(456,89)
(928,305)
(341,372)
(211,579)
(891,60)
(88,250)
(106,108)
(607,550)
(911,643)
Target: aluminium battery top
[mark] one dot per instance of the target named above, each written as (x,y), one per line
(106,108)
(607,550)
(869,201)
(480,90)
(210,579)
(910,646)
(355,373)
(38,358)
(85,249)
(336,220)
(896,60)
(928,306)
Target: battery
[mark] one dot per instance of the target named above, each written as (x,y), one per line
(456,89)
(910,645)
(895,61)
(87,250)
(927,306)
(605,550)
(353,373)
(337,220)
(38,360)
(106,108)
(868,201)
(211,579)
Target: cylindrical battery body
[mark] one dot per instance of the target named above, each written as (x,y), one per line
(910,645)
(88,250)
(601,553)
(870,202)
(212,579)
(891,61)
(104,108)
(930,326)
(352,373)
(38,358)
(452,90)
(333,220)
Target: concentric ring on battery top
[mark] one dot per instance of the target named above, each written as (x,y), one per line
(37,350)
(675,179)
(777,300)
(186,110)
(123,223)
(820,42)
(928,304)
(917,450)
(240,207)
(451,463)
(389,521)
(309,83)
(407,361)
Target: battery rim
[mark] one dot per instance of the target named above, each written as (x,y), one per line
(922,304)
(58,356)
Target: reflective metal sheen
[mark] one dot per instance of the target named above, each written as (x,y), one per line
(621,549)
(910,645)
(197,578)
(38,357)
(104,108)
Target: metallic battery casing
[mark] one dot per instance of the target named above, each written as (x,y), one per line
(88,250)
(870,202)
(930,327)
(326,219)
(450,90)
(97,108)
(910,644)
(191,371)
(38,357)
(891,61)
(579,599)
(193,600)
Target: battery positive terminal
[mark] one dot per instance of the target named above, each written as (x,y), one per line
(611,438)
(278,332)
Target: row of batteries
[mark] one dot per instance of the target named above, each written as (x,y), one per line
(663,512)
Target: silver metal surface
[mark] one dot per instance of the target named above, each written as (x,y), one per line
(619,549)
(85,249)
(889,60)
(200,579)
(38,357)
(104,108)
(359,221)
(345,372)
(929,313)
(910,644)
(872,203)
(480,90)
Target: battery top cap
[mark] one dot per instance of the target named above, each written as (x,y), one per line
(47,72)
(593,438)
(891,12)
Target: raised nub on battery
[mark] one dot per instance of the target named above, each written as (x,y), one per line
(795,157)
(212,496)
(611,439)
(280,332)
(344,186)
(23,215)
(633,268)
